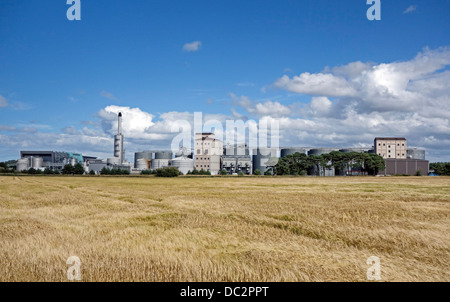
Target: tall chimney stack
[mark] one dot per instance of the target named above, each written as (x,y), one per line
(120,124)
(118,141)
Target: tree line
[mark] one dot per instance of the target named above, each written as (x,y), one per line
(302,164)
(442,169)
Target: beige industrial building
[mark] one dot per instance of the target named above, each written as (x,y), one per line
(208,153)
(391,147)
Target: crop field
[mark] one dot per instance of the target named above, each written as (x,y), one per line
(224,228)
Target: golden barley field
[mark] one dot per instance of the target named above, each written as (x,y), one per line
(224,228)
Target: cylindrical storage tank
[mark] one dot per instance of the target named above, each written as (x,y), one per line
(160,163)
(415,153)
(37,162)
(292,151)
(22,164)
(262,157)
(113,161)
(142,155)
(321,151)
(359,150)
(163,155)
(183,164)
(142,164)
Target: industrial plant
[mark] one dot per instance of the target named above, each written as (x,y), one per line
(210,154)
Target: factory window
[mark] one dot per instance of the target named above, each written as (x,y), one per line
(384,144)
(206,151)
(403,154)
(198,151)
(389,156)
(379,145)
(403,145)
(398,154)
(389,151)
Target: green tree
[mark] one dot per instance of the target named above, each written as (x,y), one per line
(268,172)
(223,172)
(374,164)
(257,172)
(78,169)
(68,169)
(314,162)
(105,171)
(47,171)
(32,171)
(92,172)
(167,172)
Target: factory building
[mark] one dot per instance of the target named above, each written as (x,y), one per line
(208,153)
(237,159)
(52,160)
(394,147)
(406,167)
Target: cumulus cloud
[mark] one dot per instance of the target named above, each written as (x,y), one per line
(192,47)
(135,121)
(410,9)
(316,84)
(3,102)
(408,98)
(258,109)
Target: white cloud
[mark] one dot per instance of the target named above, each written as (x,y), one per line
(135,121)
(3,102)
(193,46)
(410,9)
(320,106)
(108,95)
(268,108)
(324,84)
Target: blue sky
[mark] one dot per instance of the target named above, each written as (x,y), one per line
(60,80)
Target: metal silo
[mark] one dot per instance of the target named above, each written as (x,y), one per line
(416,153)
(359,150)
(142,164)
(163,155)
(113,161)
(183,164)
(37,162)
(142,155)
(160,163)
(291,151)
(263,155)
(321,151)
(22,164)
